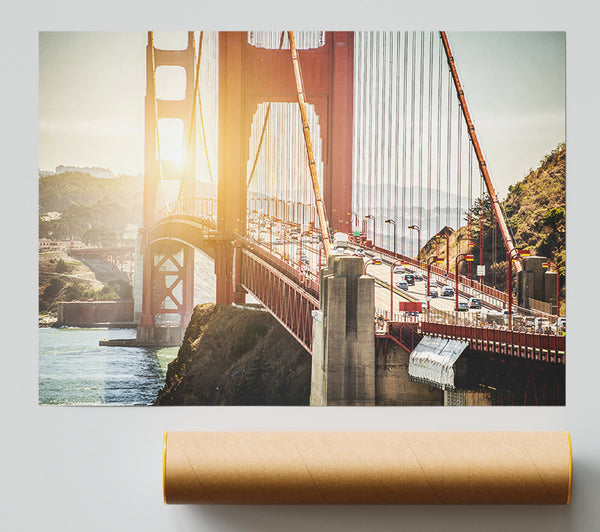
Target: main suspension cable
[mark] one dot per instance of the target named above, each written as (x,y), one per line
(192,126)
(309,150)
(504,229)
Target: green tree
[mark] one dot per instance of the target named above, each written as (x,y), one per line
(54,286)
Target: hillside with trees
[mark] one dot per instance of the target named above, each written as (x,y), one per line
(91,209)
(535,211)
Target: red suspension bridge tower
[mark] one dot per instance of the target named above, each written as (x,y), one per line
(249,76)
(168,266)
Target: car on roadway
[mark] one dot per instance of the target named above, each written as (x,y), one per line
(433,291)
(418,277)
(359,252)
(474,302)
(398,269)
(409,278)
(447,291)
(463,306)
(403,285)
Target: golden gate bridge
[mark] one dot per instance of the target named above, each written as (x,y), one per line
(366,135)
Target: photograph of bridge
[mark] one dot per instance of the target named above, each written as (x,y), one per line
(314,218)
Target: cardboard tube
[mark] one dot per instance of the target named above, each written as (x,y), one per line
(367,467)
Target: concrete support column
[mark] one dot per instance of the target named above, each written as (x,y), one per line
(343,362)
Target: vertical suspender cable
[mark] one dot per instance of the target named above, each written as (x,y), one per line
(412,135)
(421,98)
(309,150)
(449,153)
(458,176)
(192,127)
(429,130)
(260,142)
(396,166)
(470,206)
(387,102)
(369,124)
(404,134)
(439,144)
(508,241)
(378,140)
(494,246)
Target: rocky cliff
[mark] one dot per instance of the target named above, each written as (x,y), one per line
(237,356)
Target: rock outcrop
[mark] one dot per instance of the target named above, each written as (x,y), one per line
(237,356)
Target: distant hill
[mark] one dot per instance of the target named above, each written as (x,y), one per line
(89,206)
(94,171)
(58,191)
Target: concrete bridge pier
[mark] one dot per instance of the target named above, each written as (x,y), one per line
(160,336)
(343,358)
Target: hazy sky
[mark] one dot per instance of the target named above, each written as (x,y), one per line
(92,87)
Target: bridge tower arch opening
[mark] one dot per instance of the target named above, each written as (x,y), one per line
(279,181)
(251,74)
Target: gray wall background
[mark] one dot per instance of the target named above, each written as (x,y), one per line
(88,469)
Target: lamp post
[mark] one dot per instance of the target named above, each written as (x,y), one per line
(377,262)
(553,264)
(418,230)
(371,217)
(393,222)
(430,261)
(510,256)
(402,263)
(460,258)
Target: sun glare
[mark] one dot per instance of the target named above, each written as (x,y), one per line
(170,133)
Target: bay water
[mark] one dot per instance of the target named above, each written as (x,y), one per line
(75,370)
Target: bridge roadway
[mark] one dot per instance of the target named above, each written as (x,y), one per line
(304,255)
(285,247)
(273,271)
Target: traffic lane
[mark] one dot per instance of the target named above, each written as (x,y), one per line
(418,291)
(294,250)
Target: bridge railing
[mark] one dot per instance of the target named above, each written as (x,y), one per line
(302,278)
(291,305)
(467,287)
(201,207)
(539,347)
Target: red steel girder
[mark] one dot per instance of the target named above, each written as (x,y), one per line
(289,303)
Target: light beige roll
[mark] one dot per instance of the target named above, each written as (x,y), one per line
(367,467)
